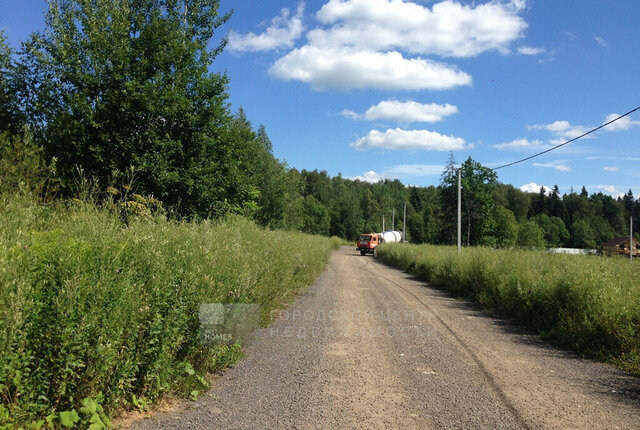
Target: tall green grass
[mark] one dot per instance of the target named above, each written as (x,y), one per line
(93,309)
(588,304)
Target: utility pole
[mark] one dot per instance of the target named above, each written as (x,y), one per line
(393,219)
(382,222)
(404,224)
(459,212)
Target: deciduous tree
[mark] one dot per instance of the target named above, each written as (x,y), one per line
(11,118)
(121,83)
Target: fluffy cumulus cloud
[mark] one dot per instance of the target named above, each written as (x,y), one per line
(557,165)
(282,33)
(345,69)
(398,139)
(521,144)
(449,28)
(532,187)
(385,44)
(404,112)
(624,123)
(561,129)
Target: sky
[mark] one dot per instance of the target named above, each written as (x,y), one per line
(374,89)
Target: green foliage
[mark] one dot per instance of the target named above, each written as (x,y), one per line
(432,212)
(92,416)
(506,227)
(553,228)
(346,212)
(316,217)
(448,202)
(117,84)
(478,183)
(513,199)
(582,235)
(530,235)
(585,303)
(11,119)
(23,168)
(91,304)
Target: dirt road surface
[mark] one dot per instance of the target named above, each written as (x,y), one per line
(370,347)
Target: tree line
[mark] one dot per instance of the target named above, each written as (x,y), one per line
(493,214)
(122,92)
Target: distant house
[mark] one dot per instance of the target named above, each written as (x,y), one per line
(620,245)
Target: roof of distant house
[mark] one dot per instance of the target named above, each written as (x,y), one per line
(619,241)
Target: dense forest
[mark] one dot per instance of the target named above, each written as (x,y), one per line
(121,96)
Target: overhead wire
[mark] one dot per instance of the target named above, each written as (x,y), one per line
(568,141)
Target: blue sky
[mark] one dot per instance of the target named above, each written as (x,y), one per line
(387,88)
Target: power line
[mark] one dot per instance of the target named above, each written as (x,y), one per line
(568,141)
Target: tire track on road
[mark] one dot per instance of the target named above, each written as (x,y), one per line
(468,350)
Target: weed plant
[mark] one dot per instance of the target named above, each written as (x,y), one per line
(97,310)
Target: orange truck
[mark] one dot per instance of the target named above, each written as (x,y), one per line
(367,243)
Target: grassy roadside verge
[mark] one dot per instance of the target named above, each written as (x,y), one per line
(96,315)
(588,304)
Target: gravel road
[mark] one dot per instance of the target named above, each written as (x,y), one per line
(368,347)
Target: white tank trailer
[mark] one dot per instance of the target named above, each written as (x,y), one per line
(391,236)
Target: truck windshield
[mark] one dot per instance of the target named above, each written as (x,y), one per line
(363,238)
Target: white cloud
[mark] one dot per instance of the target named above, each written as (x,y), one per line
(557,165)
(398,139)
(520,144)
(601,41)
(401,170)
(345,69)
(622,124)
(532,187)
(611,189)
(562,129)
(404,112)
(610,169)
(530,50)
(449,28)
(382,43)
(370,176)
(283,32)
(416,170)
(350,114)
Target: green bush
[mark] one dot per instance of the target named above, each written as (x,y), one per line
(588,304)
(23,168)
(93,308)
